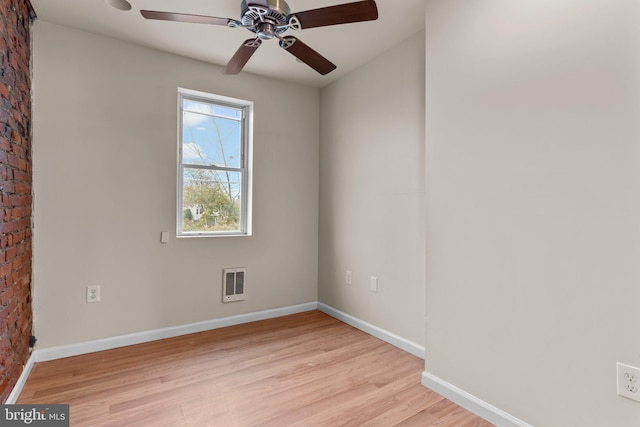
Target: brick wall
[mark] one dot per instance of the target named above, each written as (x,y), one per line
(15,190)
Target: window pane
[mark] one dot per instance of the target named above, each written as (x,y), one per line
(211,109)
(214,162)
(208,140)
(211,200)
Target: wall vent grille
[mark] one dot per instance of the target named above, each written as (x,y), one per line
(233,284)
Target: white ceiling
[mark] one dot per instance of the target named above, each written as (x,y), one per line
(348,46)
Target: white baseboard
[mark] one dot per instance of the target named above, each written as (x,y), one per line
(391,338)
(471,403)
(17,389)
(52,353)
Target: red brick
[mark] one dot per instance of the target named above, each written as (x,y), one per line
(6,296)
(5,270)
(21,188)
(15,188)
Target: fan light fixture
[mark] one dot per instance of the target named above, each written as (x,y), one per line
(119,4)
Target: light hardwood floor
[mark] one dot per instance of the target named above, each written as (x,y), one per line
(306,370)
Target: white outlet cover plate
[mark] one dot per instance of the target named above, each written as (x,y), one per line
(628,381)
(93,293)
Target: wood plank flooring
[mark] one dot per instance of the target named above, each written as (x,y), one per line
(306,369)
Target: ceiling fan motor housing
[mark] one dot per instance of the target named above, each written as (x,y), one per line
(265,21)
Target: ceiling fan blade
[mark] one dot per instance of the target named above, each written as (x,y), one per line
(242,56)
(183,17)
(307,55)
(334,15)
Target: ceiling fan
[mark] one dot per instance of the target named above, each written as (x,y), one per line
(269,19)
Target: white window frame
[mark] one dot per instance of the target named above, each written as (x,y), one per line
(245,169)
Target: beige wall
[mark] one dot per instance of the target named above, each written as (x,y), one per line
(372,191)
(533,148)
(105,130)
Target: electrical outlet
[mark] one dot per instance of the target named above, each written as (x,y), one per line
(628,381)
(348,277)
(93,293)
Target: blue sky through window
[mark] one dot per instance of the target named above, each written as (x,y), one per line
(211,134)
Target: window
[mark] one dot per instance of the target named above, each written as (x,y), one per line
(214,181)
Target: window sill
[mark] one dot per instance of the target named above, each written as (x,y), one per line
(198,235)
